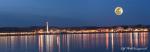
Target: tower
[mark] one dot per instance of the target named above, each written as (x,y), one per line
(47,27)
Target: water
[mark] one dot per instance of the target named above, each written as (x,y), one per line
(102,42)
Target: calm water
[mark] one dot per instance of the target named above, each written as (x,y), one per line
(102,42)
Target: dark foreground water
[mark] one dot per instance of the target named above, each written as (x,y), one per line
(102,42)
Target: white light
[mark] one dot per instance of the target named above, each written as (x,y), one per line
(118,10)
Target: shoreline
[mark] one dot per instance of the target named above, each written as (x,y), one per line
(61,33)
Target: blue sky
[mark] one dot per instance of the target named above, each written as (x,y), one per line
(73,12)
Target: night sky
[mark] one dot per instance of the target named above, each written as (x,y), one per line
(73,12)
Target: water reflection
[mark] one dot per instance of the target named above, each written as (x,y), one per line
(17,43)
(40,43)
(112,41)
(105,42)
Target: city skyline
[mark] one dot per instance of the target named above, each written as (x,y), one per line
(14,13)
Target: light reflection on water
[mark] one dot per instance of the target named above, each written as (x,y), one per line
(105,42)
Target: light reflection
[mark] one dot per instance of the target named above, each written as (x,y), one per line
(107,40)
(58,43)
(49,43)
(120,39)
(145,39)
(40,43)
(13,40)
(131,42)
(66,43)
(13,43)
(112,41)
(136,38)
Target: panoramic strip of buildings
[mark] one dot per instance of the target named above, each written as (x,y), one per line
(98,30)
(73,30)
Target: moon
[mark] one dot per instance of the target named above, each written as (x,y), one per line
(118,11)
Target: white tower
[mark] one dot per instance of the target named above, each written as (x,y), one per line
(47,27)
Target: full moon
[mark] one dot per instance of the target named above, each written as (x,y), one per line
(118,11)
